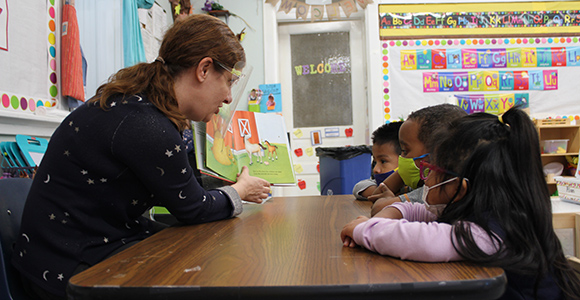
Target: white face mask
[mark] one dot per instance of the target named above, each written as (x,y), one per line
(435,209)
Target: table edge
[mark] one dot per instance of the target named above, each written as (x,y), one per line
(488,288)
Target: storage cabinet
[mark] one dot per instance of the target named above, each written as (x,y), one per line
(558,129)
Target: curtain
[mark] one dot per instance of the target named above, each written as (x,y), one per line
(101,36)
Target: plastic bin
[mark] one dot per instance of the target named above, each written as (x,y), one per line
(343,167)
(555,146)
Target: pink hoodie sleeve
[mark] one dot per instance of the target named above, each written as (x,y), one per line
(415,237)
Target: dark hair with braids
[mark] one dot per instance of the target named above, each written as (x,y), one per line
(507,196)
(434,118)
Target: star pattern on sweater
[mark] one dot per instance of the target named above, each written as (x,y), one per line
(71,154)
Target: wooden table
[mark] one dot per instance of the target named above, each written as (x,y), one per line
(286,248)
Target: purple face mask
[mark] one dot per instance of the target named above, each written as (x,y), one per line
(381,177)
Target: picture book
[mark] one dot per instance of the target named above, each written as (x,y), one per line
(256,140)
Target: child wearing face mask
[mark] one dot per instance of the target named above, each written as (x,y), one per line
(386,151)
(485,202)
(415,138)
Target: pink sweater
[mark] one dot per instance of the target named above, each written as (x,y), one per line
(415,237)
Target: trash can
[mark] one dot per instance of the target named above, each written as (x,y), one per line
(343,167)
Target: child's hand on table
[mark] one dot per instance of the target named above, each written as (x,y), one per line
(348,231)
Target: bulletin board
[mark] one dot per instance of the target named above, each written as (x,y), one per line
(483,57)
(28,55)
(321,79)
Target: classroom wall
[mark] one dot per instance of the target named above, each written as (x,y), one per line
(251,11)
(260,42)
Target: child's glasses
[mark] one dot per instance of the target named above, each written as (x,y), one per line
(236,74)
(425,169)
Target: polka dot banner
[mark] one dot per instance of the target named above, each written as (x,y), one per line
(461,42)
(14,102)
(52,50)
(487,41)
(386,96)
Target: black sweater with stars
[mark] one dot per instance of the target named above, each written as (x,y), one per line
(102,170)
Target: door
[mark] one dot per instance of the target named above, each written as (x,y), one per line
(322,71)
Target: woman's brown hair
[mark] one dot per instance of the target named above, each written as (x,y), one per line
(184,45)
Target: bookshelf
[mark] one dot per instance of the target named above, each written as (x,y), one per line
(557,129)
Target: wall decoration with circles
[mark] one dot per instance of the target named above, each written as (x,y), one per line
(28,55)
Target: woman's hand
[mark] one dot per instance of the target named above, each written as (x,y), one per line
(250,188)
(346,235)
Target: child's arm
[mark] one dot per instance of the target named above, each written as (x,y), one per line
(364,188)
(382,191)
(412,196)
(381,207)
(393,184)
(425,240)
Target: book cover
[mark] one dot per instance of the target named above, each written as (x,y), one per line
(256,140)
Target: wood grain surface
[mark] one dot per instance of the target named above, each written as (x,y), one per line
(286,242)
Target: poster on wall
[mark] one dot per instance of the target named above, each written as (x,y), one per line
(487,73)
(28,52)
(4,25)
(271,98)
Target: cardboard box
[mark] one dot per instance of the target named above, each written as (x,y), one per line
(568,188)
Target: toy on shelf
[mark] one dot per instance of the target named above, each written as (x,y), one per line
(572,166)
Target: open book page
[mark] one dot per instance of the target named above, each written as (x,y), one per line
(199,143)
(218,148)
(256,140)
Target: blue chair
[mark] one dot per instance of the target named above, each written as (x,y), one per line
(13,192)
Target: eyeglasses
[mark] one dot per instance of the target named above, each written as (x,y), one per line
(425,169)
(236,74)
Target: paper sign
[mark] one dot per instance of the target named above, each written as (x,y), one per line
(298,133)
(298,168)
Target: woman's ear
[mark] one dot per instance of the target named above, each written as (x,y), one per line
(203,68)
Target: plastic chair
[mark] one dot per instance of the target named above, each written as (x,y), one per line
(13,192)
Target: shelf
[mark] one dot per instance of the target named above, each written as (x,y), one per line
(558,126)
(559,154)
(556,131)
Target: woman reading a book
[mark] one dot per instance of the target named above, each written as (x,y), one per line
(122,152)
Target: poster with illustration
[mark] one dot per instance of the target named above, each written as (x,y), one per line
(271,98)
